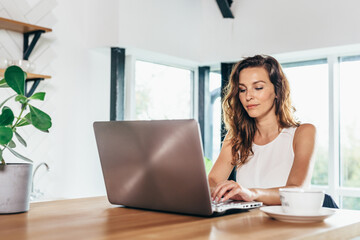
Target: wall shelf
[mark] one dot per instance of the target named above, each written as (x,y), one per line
(30,76)
(27,30)
(16,26)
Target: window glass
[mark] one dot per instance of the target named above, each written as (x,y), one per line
(350,124)
(351,203)
(162,92)
(215,85)
(310,93)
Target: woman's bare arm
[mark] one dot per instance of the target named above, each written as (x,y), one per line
(222,167)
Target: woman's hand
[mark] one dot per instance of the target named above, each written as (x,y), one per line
(232,190)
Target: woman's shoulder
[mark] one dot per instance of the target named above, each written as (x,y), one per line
(305,130)
(306,127)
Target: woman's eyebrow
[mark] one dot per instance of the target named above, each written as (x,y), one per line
(259,81)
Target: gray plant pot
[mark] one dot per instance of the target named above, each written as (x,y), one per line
(15,184)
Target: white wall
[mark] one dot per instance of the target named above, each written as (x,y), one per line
(170,27)
(82,75)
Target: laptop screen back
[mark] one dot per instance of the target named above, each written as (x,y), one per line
(154,165)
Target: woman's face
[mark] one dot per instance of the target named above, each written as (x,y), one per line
(257,93)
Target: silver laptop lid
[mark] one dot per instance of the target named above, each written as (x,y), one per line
(154,165)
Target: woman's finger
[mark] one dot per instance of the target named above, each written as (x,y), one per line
(216,190)
(224,188)
(234,192)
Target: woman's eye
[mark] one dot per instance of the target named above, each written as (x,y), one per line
(242,90)
(259,88)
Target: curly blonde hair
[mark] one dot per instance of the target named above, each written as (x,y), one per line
(240,126)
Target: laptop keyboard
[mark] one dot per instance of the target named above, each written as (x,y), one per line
(230,204)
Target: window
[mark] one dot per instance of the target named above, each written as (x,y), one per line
(309,86)
(162,92)
(326,94)
(214,88)
(350,124)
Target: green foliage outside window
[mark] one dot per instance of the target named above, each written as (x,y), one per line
(320,173)
(208,165)
(350,156)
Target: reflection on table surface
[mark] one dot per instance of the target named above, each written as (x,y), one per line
(95,218)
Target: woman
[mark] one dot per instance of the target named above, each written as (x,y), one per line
(268,147)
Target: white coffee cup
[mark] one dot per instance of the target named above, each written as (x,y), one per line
(300,201)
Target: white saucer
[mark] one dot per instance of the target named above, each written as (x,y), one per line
(277,213)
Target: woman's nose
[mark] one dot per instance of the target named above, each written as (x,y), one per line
(249,95)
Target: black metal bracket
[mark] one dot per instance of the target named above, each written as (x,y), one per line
(224,6)
(36,82)
(29,47)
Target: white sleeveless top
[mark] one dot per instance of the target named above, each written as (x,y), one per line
(271,163)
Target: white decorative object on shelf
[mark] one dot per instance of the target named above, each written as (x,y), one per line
(3,63)
(24,64)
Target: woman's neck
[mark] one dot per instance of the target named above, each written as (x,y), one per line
(267,130)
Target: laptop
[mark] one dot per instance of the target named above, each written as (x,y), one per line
(157,165)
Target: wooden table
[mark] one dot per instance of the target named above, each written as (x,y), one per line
(95,218)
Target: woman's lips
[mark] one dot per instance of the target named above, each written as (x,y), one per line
(251,106)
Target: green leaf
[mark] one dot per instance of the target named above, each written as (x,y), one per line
(28,117)
(20,139)
(3,103)
(23,122)
(15,78)
(21,98)
(19,155)
(6,117)
(11,144)
(1,157)
(39,119)
(38,96)
(3,83)
(6,135)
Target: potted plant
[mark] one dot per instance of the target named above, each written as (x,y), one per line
(15,178)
